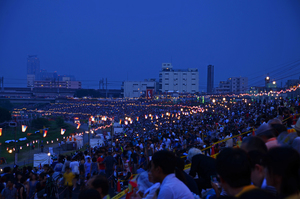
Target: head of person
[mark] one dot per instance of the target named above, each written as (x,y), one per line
(256,159)
(163,164)
(33,177)
(252,143)
(100,183)
(265,132)
(23,181)
(233,168)
(278,128)
(9,184)
(192,152)
(90,194)
(67,169)
(282,170)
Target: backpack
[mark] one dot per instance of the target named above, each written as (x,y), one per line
(51,189)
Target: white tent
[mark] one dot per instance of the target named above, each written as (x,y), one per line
(96,142)
(40,158)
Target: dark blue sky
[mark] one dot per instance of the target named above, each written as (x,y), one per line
(96,39)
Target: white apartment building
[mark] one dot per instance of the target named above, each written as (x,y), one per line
(233,85)
(239,84)
(182,81)
(134,89)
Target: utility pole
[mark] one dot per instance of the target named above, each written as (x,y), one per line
(2,83)
(16,154)
(106,89)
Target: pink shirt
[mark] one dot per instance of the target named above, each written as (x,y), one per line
(271,143)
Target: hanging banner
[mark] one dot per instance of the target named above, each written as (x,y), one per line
(149,93)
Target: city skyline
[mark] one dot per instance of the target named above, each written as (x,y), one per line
(129,41)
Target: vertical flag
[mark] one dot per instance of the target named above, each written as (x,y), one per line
(45,133)
(24,127)
(62,131)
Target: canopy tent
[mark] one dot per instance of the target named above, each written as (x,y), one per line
(40,159)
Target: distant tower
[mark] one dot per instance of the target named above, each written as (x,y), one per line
(210,78)
(33,69)
(33,65)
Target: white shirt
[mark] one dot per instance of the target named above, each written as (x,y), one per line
(229,143)
(151,192)
(172,188)
(73,165)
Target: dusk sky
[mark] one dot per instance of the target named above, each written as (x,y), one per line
(122,40)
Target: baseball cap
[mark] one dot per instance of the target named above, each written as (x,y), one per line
(263,128)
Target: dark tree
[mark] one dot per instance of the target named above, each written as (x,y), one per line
(60,122)
(39,123)
(4,115)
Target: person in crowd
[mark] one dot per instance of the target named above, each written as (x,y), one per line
(234,170)
(41,185)
(256,150)
(188,180)
(282,171)
(94,166)
(31,186)
(59,166)
(143,181)
(162,170)
(7,174)
(202,165)
(51,188)
(296,141)
(68,178)
(100,183)
(22,194)
(66,163)
(267,133)
(109,162)
(135,159)
(9,192)
(87,166)
(254,143)
(100,164)
(153,191)
(74,165)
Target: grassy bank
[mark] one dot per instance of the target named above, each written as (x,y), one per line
(21,146)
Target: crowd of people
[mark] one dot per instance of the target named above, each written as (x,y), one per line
(160,139)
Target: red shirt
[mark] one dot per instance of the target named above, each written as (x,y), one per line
(101,166)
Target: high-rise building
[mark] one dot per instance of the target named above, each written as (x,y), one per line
(180,80)
(210,78)
(33,65)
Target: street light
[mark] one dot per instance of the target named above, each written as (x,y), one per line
(274,82)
